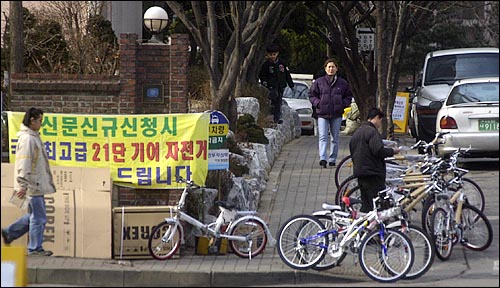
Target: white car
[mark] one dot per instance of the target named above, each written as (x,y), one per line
(470,114)
(298,99)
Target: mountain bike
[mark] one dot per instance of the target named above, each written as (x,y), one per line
(247,233)
(455,221)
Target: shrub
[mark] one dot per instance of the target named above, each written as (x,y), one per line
(249,131)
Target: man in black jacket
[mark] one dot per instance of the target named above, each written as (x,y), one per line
(274,75)
(368,153)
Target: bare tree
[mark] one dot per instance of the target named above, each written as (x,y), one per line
(245,21)
(373,76)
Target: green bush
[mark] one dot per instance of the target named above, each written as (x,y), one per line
(249,131)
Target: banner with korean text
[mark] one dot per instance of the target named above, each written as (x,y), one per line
(142,151)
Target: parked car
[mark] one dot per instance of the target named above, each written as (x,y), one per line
(441,69)
(298,99)
(470,114)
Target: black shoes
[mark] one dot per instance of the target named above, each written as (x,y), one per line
(40,253)
(5,236)
(322,163)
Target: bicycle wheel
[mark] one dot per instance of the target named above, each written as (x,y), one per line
(158,245)
(254,231)
(386,256)
(441,236)
(428,209)
(473,192)
(424,251)
(348,183)
(343,170)
(299,244)
(476,228)
(330,261)
(354,192)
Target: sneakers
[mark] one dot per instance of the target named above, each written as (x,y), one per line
(6,238)
(40,253)
(331,164)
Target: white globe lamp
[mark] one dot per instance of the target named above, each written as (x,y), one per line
(155,20)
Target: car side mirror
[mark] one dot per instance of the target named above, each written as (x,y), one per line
(435,105)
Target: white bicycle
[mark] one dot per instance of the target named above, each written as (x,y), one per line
(247,233)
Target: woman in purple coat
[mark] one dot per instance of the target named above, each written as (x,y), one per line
(329,94)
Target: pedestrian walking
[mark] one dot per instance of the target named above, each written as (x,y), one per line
(329,95)
(368,158)
(275,76)
(32,179)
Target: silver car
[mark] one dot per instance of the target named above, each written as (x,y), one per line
(470,114)
(298,99)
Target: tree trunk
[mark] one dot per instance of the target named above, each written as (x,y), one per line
(391,17)
(16,37)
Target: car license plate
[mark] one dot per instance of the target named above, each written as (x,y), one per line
(488,124)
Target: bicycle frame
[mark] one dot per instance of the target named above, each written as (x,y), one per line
(355,230)
(226,215)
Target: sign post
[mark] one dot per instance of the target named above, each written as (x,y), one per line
(218,159)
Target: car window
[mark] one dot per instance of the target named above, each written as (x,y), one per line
(474,92)
(300,91)
(449,68)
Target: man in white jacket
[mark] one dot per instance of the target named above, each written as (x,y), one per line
(32,179)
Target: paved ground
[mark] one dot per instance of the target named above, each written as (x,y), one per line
(297,185)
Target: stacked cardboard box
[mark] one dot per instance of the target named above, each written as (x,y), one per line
(78,214)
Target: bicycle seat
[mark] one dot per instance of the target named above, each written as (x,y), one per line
(225,204)
(331,207)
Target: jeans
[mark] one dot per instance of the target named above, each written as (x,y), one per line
(326,126)
(32,222)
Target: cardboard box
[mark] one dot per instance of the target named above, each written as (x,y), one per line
(78,214)
(138,223)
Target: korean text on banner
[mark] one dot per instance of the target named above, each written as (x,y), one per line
(142,151)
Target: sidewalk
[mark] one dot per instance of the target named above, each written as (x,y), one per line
(297,184)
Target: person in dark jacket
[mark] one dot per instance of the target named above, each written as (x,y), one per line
(275,76)
(368,153)
(329,95)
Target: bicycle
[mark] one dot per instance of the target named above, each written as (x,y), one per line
(424,189)
(456,221)
(247,233)
(385,254)
(422,242)
(416,182)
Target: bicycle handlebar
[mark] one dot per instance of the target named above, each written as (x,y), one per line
(189,183)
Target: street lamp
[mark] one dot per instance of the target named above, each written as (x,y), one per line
(155,20)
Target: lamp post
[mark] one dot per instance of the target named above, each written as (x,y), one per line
(155,20)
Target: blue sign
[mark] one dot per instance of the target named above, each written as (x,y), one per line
(216,117)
